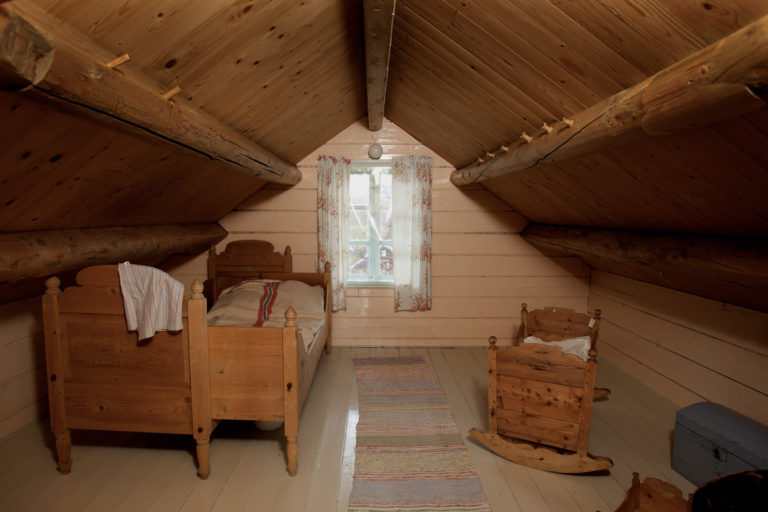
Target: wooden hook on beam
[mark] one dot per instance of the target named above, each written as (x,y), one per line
(117,61)
(170,94)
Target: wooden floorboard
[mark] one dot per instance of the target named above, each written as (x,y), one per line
(129,472)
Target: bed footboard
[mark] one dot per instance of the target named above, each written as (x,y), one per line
(101,377)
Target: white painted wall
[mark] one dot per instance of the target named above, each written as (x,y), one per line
(23,392)
(686,348)
(482,269)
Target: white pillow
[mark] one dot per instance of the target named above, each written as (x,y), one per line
(578,345)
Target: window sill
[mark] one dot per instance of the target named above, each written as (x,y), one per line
(370,284)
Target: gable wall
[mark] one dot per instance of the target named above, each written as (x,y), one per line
(686,348)
(482,269)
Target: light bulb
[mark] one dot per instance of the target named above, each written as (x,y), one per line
(374,151)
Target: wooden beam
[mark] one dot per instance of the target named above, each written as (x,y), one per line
(378,19)
(41,56)
(722,80)
(43,253)
(730,269)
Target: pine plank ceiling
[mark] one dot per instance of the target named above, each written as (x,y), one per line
(465,78)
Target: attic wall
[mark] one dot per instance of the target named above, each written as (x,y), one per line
(22,361)
(686,348)
(481,268)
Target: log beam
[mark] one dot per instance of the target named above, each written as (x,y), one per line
(730,269)
(43,253)
(378,19)
(44,58)
(722,80)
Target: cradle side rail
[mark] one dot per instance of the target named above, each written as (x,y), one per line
(556,324)
(540,405)
(100,377)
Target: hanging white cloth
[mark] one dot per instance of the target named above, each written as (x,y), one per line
(152,299)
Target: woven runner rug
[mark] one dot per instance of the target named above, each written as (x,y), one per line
(409,454)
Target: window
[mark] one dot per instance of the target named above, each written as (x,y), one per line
(370,224)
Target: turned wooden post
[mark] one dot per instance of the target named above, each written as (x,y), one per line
(200,385)
(523,331)
(328,304)
(288,260)
(212,274)
(291,391)
(492,424)
(593,335)
(54,363)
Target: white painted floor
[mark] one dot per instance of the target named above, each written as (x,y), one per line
(119,472)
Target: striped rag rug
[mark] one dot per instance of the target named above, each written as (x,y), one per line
(409,454)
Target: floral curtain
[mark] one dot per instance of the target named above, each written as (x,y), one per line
(412,232)
(333,223)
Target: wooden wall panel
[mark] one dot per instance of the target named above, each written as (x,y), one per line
(708,181)
(22,365)
(482,269)
(58,171)
(289,75)
(684,347)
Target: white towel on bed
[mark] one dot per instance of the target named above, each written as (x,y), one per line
(152,299)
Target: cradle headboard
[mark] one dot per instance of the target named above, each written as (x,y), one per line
(241,260)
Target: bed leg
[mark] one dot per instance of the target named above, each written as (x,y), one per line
(292,450)
(64,451)
(203,458)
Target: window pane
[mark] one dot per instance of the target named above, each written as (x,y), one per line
(359,189)
(370,224)
(385,259)
(358,225)
(358,259)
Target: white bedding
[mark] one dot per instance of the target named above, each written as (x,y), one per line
(263,303)
(578,345)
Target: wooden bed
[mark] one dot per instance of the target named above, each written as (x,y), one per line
(540,398)
(101,377)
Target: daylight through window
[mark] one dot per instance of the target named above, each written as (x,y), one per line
(370,223)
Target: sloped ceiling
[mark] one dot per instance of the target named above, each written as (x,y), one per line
(465,77)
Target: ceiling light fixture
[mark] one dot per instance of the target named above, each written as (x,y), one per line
(375,151)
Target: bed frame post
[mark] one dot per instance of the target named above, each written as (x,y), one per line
(492,424)
(328,304)
(291,391)
(595,326)
(54,362)
(212,274)
(288,260)
(523,331)
(202,424)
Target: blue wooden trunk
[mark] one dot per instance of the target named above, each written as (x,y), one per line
(711,440)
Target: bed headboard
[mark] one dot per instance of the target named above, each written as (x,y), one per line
(244,259)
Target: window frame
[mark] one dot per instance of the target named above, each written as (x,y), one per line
(374,246)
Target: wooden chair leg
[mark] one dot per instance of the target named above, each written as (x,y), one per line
(203,458)
(292,451)
(64,451)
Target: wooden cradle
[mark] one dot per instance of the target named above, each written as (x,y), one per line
(540,399)
(100,377)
